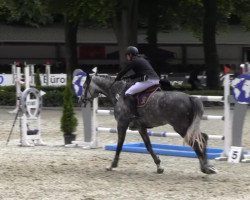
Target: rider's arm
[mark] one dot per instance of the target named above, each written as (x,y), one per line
(123,72)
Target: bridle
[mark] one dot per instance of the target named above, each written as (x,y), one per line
(85,99)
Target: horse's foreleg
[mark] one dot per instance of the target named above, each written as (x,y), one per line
(202,156)
(121,129)
(147,142)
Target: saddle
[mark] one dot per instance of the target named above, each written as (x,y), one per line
(143,97)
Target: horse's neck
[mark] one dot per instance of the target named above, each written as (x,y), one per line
(101,85)
(107,87)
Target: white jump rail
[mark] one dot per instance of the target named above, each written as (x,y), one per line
(204,117)
(155,134)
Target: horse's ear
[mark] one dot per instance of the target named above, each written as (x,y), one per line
(94,70)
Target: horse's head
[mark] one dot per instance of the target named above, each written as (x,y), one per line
(96,85)
(102,84)
(90,90)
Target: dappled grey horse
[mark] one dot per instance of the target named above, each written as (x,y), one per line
(178,109)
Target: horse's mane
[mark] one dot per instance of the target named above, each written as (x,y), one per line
(112,87)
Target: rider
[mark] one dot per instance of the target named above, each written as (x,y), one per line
(142,70)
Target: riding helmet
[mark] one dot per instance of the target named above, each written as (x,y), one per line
(132,50)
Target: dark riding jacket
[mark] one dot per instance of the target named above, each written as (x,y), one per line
(141,68)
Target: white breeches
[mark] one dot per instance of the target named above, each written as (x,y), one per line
(141,86)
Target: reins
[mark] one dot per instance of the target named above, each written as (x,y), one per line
(86,99)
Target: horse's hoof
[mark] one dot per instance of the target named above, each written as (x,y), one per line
(160,170)
(109,168)
(210,170)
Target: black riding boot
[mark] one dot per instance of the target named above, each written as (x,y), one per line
(131,104)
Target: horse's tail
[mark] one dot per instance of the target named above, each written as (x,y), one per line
(194,133)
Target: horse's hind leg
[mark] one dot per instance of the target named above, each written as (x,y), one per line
(202,156)
(121,129)
(147,142)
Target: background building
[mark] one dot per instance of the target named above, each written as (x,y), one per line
(178,51)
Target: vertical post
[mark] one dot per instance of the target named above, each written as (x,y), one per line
(39,140)
(238,122)
(245,67)
(248,67)
(87,123)
(17,79)
(47,72)
(14,72)
(227,117)
(18,84)
(27,76)
(239,117)
(32,74)
(24,139)
(94,123)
